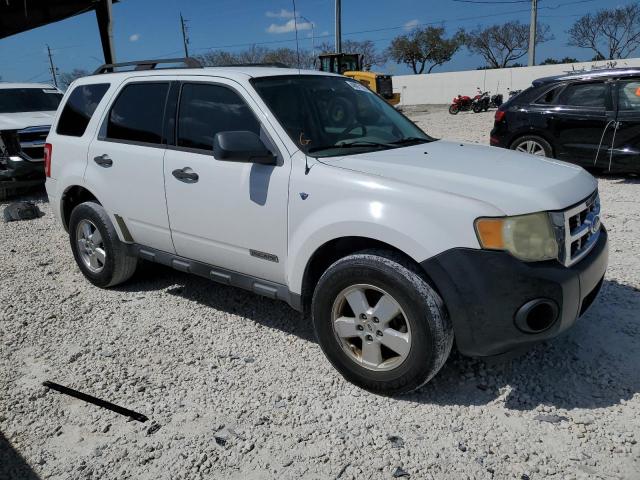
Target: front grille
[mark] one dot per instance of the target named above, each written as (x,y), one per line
(580,229)
(32,140)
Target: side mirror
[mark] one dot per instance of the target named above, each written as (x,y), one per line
(242,146)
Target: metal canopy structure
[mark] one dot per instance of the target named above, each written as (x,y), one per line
(17,16)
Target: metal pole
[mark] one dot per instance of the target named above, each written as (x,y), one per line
(532,32)
(338,26)
(105,25)
(185,40)
(52,67)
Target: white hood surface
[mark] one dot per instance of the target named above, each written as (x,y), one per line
(515,183)
(18,121)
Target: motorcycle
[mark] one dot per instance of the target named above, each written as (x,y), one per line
(462,103)
(496,100)
(481,102)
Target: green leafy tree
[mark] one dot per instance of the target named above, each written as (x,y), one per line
(424,48)
(501,45)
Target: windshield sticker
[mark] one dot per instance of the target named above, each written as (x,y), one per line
(50,90)
(358,86)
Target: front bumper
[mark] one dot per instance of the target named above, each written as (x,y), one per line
(483,291)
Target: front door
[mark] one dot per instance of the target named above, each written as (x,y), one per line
(227,214)
(125,169)
(624,156)
(579,120)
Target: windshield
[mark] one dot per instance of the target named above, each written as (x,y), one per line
(329,116)
(14,100)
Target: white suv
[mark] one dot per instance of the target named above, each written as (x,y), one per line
(309,188)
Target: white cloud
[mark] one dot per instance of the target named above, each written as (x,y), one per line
(411,24)
(284,13)
(135,37)
(288,27)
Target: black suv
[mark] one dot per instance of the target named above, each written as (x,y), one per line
(588,118)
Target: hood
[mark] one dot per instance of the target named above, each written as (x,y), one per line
(18,121)
(515,183)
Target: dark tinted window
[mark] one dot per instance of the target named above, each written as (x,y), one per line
(549,96)
(584,95)
(79,108)
(14,100)
(208,109)
(137,114)
(629,95)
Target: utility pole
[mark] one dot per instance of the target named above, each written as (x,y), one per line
(52,67)
(533,26)
(185,37)
(338,26)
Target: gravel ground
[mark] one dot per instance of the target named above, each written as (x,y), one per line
(235,386)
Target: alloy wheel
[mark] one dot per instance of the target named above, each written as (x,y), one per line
(371,327)
(532,147)
(90,246)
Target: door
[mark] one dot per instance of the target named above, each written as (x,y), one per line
(227,214)
(624,156)
(578,121)
(125,169)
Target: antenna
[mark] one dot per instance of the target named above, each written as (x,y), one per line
(295,24)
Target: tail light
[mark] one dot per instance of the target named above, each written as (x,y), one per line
(47,159)
(500,114)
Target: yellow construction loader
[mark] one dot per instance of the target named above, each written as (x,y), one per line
(350,65)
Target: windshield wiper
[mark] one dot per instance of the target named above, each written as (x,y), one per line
(407,140)
(356,144)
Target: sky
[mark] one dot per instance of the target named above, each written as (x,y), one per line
(151,29)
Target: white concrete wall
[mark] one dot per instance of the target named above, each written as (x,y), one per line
(441,88)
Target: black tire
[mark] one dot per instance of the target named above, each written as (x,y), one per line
(430,327)
(119,265)
(453,109)
(477,108)
(546,146)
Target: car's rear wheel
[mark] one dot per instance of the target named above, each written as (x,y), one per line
(380,323)
(533,145)
(98,251)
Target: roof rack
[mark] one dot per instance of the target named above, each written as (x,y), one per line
(188,62)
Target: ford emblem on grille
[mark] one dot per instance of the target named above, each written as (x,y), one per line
(594,223)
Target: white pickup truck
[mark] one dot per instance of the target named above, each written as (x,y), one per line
(309,188)
(26,113)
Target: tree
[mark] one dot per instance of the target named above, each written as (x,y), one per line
(422,47)
(553,61)
(257,54)
(501,45)
(66,78)
(611,33)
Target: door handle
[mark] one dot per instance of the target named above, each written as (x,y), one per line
(103,160)
(185,175)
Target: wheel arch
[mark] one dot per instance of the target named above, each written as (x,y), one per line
(73,196)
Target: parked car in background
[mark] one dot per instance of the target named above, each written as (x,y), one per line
(588,118)
(26,113)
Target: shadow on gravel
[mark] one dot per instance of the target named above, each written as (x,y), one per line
(592,365)
(267,312)
(12,465)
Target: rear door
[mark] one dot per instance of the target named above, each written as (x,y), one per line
(582,112)
(125,166)
(624,156)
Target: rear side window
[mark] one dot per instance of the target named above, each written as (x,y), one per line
(207,109)
(79,108)
(549,96)
(584,95)
(137,114)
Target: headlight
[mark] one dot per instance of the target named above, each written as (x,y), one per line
(527,237)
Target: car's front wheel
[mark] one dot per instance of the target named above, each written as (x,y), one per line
(98,251)
(380,323)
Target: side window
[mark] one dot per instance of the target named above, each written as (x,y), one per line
(79,108)
(207,109)
(629,95)
(137,114)
(585,95)
(549,96)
